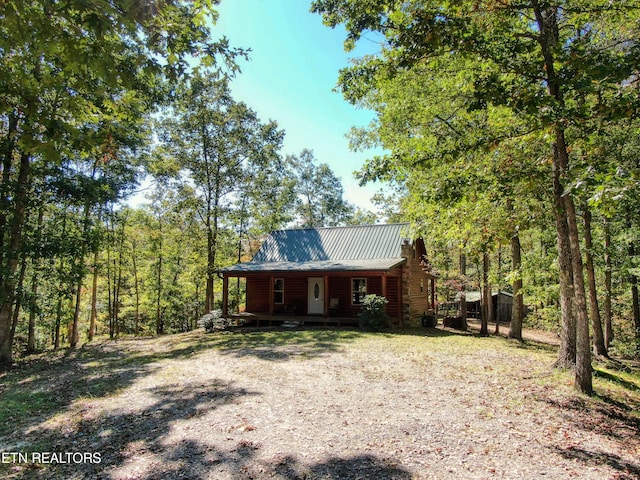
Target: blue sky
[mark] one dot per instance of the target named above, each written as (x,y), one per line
(293,68)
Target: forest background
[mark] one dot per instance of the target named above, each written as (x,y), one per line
(501,120)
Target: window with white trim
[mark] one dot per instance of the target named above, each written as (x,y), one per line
(358,290)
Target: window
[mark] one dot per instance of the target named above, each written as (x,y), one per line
(278,291)
(358,290)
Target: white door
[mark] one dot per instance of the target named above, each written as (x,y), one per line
(316,296)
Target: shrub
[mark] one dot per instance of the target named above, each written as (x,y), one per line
(374,315)
(212,321)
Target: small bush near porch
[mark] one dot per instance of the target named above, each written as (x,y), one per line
(374,313)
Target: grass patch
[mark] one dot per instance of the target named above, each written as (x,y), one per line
(17,404)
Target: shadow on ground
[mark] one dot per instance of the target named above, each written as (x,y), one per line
(627,470)
(282,345)
(39,387)
(603,417)
(137,445)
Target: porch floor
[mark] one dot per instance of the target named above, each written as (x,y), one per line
(264,319)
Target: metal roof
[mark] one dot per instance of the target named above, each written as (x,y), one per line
(368,247)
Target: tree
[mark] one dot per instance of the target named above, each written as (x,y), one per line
(218,142)
(320,193)
(74,70)
(537,59)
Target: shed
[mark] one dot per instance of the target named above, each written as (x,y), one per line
(501,301)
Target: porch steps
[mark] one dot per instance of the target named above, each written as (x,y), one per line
(292,323)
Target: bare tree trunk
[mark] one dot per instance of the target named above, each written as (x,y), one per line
(94,297)
(33,304)
(56,340)
(110,282)
(583,378)
(608,327)
(599,347)
(159,320)
(549,40)
(75,335)
(463,292)
(567,352)
(18,304)
(31,336)
(635,299)
(486,296)
(136,286)
(10,259)
(118,287)
(80,267)
(517,312)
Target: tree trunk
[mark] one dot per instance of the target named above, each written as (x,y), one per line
(8,151)
(94,298)
(80,271)
(56,338)
(517,312)
(570,303)
(583,379)
(33,304)
(567,352)
(159,320)
(10,262)
(635,299)
(110,291)
(19,295)
(136,286)
(31,336)
(599,347)
(117,289)
(463,291)
(608,327)
(75,336)
(486,296)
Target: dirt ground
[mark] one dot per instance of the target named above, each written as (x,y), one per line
(320,404)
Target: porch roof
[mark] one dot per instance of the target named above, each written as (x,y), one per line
(381,264)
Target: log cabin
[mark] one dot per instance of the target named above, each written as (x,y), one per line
(323,274)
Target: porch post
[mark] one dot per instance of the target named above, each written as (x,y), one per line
(225,295)
(326,296)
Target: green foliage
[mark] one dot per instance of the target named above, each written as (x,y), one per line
(79,80)
(319,192)
(374,313)
(471,98)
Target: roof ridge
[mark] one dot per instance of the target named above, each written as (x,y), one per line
(341,227)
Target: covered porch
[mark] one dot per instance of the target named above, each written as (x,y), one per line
(313,297)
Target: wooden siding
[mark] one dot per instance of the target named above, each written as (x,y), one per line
(394,309)
(417,290)
(258,294)
(339,286)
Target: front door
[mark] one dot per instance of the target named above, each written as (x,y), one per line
(316,296)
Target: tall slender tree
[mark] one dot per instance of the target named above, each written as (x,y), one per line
(218,142)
